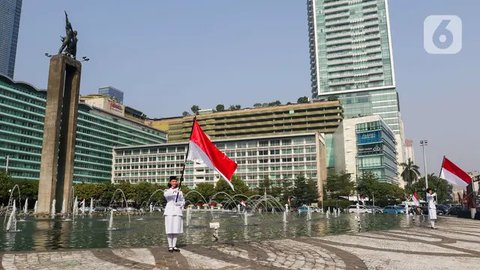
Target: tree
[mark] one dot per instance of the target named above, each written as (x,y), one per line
(222,186)
(302,99)
(410,172)
(220,108)
(443,189)
(206,189)
(6,184)
(384,193)
(304,192)
(185,113)
(235,107)
(332,98)
(265,185)
(257,105)
(339,185)
(195,109)
(275,103)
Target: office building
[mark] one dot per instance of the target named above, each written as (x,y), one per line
(22,113)
(10,11)
(321,117)
(278,157)
(367,144)
(351,57)
(112,92)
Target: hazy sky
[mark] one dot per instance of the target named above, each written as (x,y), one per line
(169,55)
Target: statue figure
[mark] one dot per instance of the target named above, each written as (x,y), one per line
(69,41)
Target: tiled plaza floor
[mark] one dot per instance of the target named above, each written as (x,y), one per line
(455,245)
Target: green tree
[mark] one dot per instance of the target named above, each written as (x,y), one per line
(302,99)
(6,184)
(384,193)
(443,189)
(339,185)
(235,107)
(332,98)
(275,103)
(304,192)
(195,109)
(265,185)
(185,113)
(220,108)
(206,189)
(222,186)
(410,173)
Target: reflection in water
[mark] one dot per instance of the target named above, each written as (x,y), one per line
(91,232)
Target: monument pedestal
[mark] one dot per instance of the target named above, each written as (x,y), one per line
(56,171)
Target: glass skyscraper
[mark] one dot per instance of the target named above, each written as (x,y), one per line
(351,57)
(10,11)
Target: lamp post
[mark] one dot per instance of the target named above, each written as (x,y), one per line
(424,144)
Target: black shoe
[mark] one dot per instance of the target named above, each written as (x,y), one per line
(176,249)
(170,249)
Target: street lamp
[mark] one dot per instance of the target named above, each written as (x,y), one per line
(424,144)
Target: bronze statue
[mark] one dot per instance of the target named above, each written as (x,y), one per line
(69,41)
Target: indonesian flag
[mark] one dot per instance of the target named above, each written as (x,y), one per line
(202,150)
(415,199)
(453,174)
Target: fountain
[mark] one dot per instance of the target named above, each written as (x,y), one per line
(188,217)
(90,210)
(75,208)
(35,207)
(10,201)
(153,193)
(53,209)
(12,220)
(83,207)
(309,213)
(124,200)
(25,207)
(245,218)
(110,222)
(196,192)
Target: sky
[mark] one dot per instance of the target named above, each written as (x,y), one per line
(169,55)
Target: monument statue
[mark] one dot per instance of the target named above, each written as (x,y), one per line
(69,41)
(60,126)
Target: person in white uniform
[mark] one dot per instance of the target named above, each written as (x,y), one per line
(173,213)
(432,208)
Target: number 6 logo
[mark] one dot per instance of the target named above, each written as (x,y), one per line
(442,34)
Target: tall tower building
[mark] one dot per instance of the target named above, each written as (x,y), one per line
(351,60)
(9,23)
(351,57)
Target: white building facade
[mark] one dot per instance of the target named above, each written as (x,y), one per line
(280,158)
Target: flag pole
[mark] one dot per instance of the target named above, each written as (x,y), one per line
(186,156)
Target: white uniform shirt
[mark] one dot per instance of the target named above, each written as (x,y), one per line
(431,200)
(173,208)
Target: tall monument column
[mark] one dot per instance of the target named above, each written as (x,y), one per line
(56,171)
(58,150)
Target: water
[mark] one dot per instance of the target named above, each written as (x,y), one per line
(92,232)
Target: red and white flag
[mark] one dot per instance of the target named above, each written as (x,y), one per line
(415,199)
(453,174)
(202,150)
